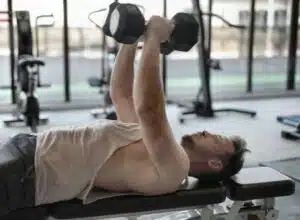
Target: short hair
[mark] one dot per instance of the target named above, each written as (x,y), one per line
(234,163)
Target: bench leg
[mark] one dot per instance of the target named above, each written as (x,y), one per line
(261,209)
(234,210)
(269,207)
(206,213)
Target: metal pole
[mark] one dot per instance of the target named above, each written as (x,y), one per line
(164,57)
(209,30)
(104,57)
(291,69)
(37,50)
(66,52)
(12,50)
(207,110)
(250,46)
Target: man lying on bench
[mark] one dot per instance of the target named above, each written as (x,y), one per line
(136,153)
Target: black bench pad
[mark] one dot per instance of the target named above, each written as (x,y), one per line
(259,183)
(194,196)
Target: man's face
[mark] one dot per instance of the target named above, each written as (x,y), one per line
(207,143)
(206,149)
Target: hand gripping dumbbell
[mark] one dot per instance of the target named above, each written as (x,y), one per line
(126,24)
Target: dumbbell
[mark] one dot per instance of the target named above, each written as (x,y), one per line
(126,24)
(117,20)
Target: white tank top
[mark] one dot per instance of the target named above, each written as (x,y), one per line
(68,159)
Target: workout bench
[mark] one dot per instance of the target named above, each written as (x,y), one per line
(251,192)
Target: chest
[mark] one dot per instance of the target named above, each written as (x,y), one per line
(120,166)
(135,152)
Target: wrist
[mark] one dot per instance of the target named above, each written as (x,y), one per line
(128,48)
(152,39)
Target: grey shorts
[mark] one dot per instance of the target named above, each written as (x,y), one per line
(17,173)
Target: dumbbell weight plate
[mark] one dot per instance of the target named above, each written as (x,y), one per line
(127,23)
(185,33)
(114,22)
(106,30)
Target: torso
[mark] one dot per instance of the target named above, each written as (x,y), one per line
(132,161)
(70,156)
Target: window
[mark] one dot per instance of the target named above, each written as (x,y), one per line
(280,18)
(244,17)
(261,17)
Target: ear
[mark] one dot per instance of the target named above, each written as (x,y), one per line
(215,164)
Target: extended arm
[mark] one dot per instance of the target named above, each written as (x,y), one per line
(148,91)
(121,85)
(149,100)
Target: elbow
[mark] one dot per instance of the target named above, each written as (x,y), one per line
(144,109)
(150,106)
(145,113)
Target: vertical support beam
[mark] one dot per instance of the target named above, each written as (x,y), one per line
(103,57)
(206,109)
(270,24)
(209,29)
(209,36)
(293,45)
(12,50)
(250,46)
(37,50)
(164,57)
(66,52)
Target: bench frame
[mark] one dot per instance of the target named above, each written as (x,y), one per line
(263,209)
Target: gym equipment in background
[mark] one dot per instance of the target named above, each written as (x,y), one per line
(108,56)
(251,194)
(292,121)
(202,105)
(27,104)
(42,21)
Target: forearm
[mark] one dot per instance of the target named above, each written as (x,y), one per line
(148,91)
(123,71)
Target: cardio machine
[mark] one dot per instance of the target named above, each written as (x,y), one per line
(27,104)
(109,54)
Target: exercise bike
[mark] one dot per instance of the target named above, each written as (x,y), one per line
(27,104)
(103,82)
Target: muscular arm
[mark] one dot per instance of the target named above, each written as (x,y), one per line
(123,70)
(148,91)
(149,102)
(121,84)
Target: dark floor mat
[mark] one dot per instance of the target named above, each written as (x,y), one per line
(289,167)
(289,206)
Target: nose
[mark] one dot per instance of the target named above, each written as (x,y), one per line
(206,133)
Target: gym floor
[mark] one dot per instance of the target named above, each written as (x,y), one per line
(262,134)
